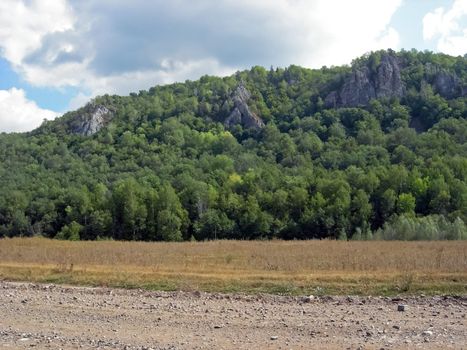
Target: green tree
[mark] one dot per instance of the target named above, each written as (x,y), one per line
(405,204)
(172,218)
(70,232)
(213,224)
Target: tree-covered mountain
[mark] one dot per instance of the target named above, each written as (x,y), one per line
(378,146)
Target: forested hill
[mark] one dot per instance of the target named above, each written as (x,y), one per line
(378,148)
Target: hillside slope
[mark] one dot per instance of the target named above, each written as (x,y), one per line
(375,147)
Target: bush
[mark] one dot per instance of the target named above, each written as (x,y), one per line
(432,227)
(70,232)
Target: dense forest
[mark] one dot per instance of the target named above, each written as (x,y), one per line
(376,149)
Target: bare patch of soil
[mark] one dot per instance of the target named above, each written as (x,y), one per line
(52,317)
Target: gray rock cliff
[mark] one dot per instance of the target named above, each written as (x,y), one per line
(241,113)
(92,119)
(445,83)
(388,82)
(385,81)
(365,84)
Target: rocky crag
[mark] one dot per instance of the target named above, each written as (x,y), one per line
(92,119)
(365,84)
(241,113)
(386,81)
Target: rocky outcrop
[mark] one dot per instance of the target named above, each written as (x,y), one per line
(388,82)
(241,113)
(445,83)
(358,90)
(92,118)
(365,84)
(385,81)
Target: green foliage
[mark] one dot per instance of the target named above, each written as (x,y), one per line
(166,167)
(70,232)
(432,227)
(405,204)
(213,224)
(168,226)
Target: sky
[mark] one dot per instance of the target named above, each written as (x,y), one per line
(56,55)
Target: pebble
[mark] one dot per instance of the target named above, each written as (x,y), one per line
(308,299)
(402,307)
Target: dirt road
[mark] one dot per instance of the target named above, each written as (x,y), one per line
(58,317)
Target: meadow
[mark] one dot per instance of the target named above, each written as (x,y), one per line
(278,267)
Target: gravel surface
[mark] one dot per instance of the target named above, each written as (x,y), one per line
(61,317)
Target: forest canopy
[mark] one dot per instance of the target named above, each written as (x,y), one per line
(288,153)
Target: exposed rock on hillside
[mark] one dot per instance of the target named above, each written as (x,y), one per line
(365,84)
(388,82)
(92,119)
(445,83)
(385,81)
(241,114)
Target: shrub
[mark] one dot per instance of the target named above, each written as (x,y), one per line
(70,232)
(432,227)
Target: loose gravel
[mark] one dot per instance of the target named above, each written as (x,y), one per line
(36,316)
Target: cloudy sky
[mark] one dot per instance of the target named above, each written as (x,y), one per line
(57,54)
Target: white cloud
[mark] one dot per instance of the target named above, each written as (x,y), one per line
(136,80)
(343,30)
(23,25)
(18,114)
(446,26)
(116,46)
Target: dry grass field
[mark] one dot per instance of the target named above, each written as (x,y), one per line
(293,267)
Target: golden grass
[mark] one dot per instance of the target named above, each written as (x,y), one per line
(292,267)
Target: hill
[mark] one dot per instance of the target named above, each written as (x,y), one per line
(377,148)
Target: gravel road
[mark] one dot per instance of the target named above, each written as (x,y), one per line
(61,317)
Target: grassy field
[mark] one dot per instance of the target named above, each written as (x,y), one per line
(294,267)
